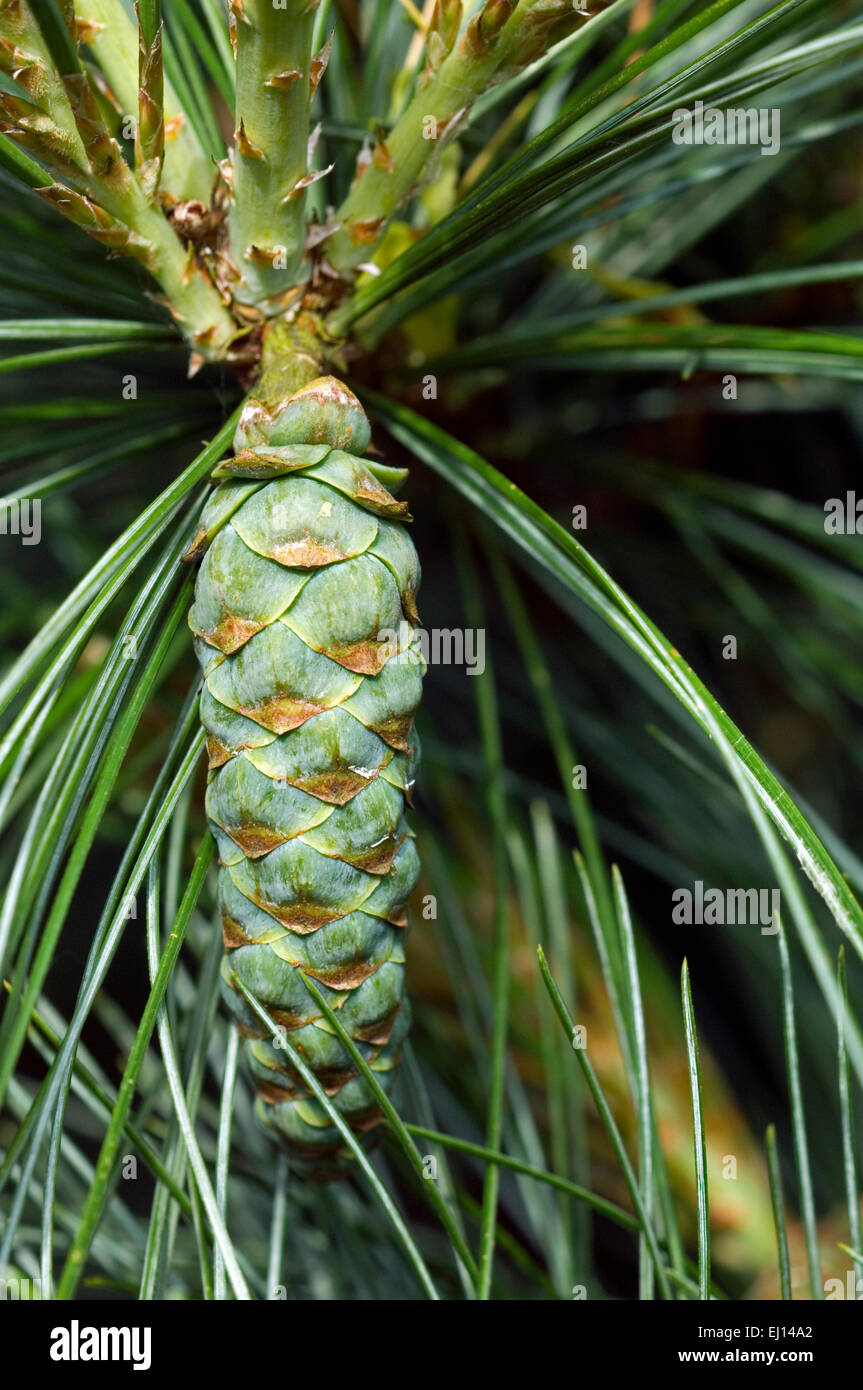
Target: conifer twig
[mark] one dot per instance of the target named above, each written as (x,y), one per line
(461,64)
(108,31)
(276,79)
(150,130)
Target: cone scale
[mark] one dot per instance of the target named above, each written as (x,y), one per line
(305,593)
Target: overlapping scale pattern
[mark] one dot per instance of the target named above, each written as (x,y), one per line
(303,613)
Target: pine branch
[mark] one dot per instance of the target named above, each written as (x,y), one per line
(276,79)
(118,214)
(150,130)
(108,31)
(461,64)
(86,176)
(42,118)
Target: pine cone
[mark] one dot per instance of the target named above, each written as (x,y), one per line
(302,619)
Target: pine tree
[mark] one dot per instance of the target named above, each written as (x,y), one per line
(304,215)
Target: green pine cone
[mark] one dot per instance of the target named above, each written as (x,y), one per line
(302,620)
